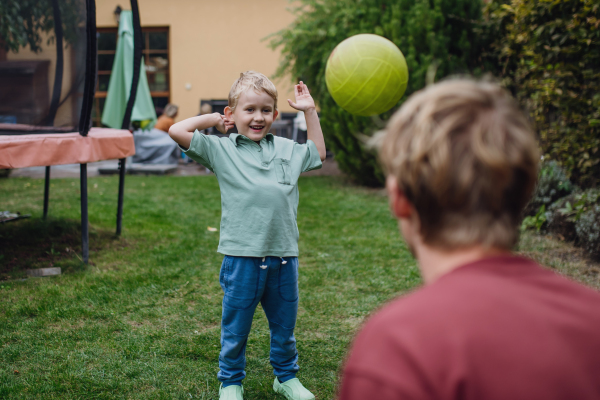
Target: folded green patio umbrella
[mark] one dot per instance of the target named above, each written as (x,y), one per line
(120,81)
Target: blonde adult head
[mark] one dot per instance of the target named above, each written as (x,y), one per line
(466,158)
(251,80)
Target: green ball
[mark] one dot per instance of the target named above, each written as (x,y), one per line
(366,74)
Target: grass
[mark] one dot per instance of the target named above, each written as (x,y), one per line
(142,321)
(561,256)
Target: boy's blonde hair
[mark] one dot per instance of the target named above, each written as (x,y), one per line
(466,157)
(251,80)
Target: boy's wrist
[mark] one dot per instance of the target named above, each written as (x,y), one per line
(215,118)
(310,110)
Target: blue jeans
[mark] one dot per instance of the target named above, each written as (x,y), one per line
(246,281)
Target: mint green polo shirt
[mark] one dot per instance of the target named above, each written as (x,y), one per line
(259,190)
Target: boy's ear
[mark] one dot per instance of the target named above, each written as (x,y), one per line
(399,203)
(228,112)
(275,114)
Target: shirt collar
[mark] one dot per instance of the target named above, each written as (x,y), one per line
(235,137)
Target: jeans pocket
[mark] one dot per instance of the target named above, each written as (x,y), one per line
(223,274)
(288,281)
(241,283)
(283,170)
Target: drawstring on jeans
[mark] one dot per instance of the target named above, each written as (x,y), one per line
(264,266)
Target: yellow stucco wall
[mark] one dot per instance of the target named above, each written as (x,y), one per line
(211,42)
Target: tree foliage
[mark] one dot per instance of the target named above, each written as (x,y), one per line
(23,22)
(548,53)
(434,35)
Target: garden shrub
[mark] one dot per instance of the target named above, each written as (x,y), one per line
(547,52)
(559,221)
(576,218)
(537,221)
(552,184)
(430,33)
(588,230)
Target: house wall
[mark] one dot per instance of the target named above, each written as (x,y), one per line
(211,42)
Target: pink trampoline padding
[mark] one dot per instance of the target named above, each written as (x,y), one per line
(41,150)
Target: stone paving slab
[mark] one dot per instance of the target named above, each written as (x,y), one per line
(93,169)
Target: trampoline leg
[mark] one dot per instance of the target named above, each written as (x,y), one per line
(121,190)
(84,214)
(46,191)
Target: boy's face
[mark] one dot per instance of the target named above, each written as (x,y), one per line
(254,114)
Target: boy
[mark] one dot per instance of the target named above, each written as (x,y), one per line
(461,163)
(258,177)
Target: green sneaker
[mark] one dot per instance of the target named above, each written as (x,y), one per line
(292,390)
(233,392)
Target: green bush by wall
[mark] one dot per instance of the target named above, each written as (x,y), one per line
(429,33)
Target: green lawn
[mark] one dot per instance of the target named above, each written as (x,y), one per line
(143,319)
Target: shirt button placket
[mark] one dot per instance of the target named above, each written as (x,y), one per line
(264,155)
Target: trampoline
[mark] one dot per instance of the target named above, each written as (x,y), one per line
(46,99)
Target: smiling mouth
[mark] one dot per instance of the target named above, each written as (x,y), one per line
(256,127)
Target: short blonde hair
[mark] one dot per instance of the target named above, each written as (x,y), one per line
(251,80)
(466,157)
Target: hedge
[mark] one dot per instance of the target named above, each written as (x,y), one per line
(547,52)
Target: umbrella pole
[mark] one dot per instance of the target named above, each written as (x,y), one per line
(46,191)
(137,61)
(84,214)
(121,190)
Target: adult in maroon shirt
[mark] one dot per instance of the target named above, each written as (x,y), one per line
(461,163)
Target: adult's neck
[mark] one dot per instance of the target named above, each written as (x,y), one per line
(435,262)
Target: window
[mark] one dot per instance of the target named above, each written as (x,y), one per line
(155,51)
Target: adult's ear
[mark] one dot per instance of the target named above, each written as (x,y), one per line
(228,113)
(399,203)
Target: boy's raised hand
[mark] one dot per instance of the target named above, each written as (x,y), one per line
(224,124)
(304,100)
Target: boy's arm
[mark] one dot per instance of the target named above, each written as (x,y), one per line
(183,131)
(304,102)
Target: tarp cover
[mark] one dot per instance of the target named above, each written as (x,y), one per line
(155,147)
(121,78)
(39,150)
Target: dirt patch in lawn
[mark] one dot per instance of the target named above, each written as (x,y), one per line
(34,243)
(562,256)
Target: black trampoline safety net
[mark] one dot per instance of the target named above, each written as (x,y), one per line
(47,65)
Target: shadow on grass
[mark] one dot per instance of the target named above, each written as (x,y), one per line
(35,243)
